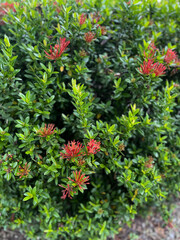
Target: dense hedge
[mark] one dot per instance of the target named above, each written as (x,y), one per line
(89,114)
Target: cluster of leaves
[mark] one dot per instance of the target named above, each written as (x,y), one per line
(89,114)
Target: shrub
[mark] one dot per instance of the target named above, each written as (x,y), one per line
(89,114)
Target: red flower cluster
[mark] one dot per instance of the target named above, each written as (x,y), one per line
(72,149)
(67,192)
(23,171)
(89,36)
(58,9)
(148,67)
(95,17)
(79,1)
(47,131)
(103,30)
(170,56)
(93,146)
(152,46)
(159,69)
(4,8)
(80,179)
(58,49)
(81,162)
(149,162)
(82,19)
(75,149)
(151,51)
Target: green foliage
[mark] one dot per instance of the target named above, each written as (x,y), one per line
(94,94)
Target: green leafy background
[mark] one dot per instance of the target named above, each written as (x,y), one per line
(94,91)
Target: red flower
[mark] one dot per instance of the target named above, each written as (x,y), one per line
(148,163)
(80,179)
(93,146)
(72,149)
(47,131)
(58,49)
(82,19)
(67,192)
(4,8)
(58,9)
(95,17)
(79,1)
(23,171)
(89,36)
(152,46)
(103,30)
(159,69)
(170,56)
(151,51)
(147,67)
(81,162)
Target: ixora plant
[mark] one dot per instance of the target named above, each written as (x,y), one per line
(89,115)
